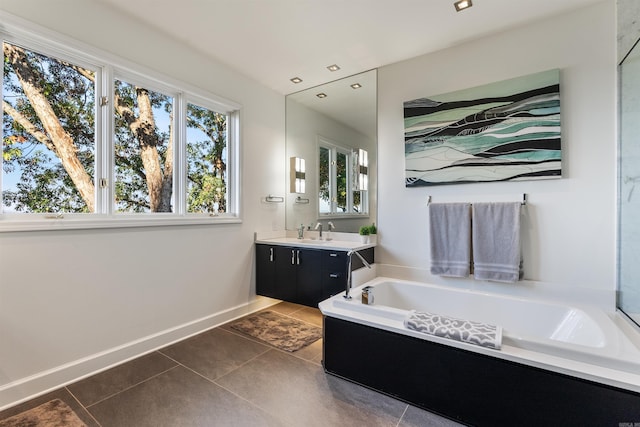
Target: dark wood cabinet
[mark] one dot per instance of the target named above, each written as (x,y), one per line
(288,273)
(334,273)
(303,276)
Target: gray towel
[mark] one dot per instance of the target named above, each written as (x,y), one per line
(467,331)
(496,242)
(450,239)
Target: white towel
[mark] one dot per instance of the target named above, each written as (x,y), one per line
(450,239)
(496,242)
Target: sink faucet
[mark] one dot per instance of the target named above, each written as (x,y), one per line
(330,226)
(350,274)
(301,232)
(319,227)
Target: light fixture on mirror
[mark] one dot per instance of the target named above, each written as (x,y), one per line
(297,175)
(462,5)
(363,170)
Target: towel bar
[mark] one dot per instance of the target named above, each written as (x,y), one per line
(523,203)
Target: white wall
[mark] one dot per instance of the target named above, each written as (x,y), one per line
(75,301)
(570,224)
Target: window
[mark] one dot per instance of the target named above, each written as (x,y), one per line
(338,189)
(206,160)
(83,137)
(48,150)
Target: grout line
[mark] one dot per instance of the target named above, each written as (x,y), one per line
(131,386)
(402,416)
(82,406)
(214,381)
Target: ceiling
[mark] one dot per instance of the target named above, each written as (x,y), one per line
(272,41)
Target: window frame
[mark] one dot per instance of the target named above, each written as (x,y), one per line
(109,67)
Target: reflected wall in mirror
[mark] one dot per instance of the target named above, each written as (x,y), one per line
(336,135)
(629,179)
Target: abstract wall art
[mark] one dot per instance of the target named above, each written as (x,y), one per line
(503,131)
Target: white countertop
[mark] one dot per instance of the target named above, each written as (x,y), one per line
(341,242)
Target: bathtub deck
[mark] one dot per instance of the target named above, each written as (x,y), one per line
(469,387)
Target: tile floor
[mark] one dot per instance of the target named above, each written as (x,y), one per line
(223,378)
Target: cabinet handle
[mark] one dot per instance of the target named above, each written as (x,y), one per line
(293,252)
(334,275)
(333,254)
(298,257)
(270,254)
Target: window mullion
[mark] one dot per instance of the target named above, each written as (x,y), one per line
(104,144)
(333,179)
(180,154)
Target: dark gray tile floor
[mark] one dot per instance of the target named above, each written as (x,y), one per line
(224,378)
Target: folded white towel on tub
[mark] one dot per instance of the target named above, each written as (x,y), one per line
(496,242)
(450,239)
(468,331)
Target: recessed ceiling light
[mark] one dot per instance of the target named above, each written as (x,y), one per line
(462,5)
(321,95)
(356,86)
(333,67)
(296,80)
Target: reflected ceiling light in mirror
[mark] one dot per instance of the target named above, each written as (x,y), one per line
(296,80)
(363,170)
(356,86)
(462,5)
(333,67)
(321,95)
(297,173)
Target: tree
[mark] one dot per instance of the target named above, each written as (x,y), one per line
(49,140)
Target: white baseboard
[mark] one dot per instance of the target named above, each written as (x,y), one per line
(27,388)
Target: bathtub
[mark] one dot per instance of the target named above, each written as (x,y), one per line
(577,348)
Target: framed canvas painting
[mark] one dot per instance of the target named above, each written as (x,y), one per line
(504,131)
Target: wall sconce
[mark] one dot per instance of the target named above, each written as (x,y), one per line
(363,170)
(297,175)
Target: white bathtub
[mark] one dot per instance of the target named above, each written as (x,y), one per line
(580,341)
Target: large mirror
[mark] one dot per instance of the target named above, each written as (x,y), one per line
(331,150)
(629,195)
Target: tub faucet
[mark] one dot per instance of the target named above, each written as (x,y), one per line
(319,227)
(350,274)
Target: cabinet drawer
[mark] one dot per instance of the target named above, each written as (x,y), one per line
(334,260)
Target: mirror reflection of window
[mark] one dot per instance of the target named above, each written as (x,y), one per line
(324,182)
(338,189)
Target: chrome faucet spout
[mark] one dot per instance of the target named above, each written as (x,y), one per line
(347,292)
(319,228)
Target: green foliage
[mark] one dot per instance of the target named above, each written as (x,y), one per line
(366,230)
(41,182)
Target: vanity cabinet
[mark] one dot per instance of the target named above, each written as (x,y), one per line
(334,273)
(289,273)
(303,276)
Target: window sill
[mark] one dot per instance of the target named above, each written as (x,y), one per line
(75,222)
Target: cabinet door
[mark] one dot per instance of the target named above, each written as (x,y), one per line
(309,279)
(286,273)
(266,271)
(334,273)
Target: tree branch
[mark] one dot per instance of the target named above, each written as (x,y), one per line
(28,126)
